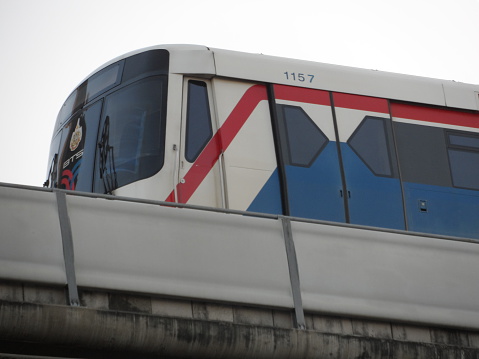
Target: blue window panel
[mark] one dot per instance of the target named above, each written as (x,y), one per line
(369,141)
(373,200)
(268,199)
(464,140)
(198,120)
(442,210)
(314,192)
(464,168)
(305,139)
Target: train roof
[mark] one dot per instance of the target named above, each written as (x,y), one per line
(202,60)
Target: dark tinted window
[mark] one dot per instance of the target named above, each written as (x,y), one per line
(422,154)
(198,120)
(463,140)
(304,140)
(131,136)
(94,86)
(103,80)
(66,110)
(73,103)
(79,136)
(144,64)
(369,141)
(464,168)
(463,151)
(149,62)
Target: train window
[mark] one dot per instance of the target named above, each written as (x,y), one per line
(422,154)
(77,149)
(463,140)
(73,103)
(91,88)
(198,120)
(131,136)
(65,111)
(154,62)
(304,140)
(146,63)
(369,141)
(463,151)
(103,80)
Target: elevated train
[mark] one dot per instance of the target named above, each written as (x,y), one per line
(197,125)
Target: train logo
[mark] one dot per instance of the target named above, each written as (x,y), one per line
(76,137)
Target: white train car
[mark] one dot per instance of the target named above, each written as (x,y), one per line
(196,125)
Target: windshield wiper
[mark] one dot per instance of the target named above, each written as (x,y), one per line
(107,159)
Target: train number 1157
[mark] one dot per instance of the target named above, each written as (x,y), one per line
(293,76)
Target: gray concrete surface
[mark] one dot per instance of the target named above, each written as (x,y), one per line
(36,322)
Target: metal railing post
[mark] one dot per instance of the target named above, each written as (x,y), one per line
(67,241)
(300,322)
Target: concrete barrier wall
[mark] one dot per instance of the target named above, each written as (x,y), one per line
(388,275)
(179,252)
(147,248)
(30,238)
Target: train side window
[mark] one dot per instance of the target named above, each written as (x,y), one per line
(463,151)
(369,141)
(304,140)
(464,141)
(422,154)
(198,120)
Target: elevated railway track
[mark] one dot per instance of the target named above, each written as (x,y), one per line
(85,275)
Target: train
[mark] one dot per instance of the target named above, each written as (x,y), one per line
(197,125)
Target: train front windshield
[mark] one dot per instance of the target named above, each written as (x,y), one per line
(111,130)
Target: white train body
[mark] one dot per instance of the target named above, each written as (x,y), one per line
(218,128)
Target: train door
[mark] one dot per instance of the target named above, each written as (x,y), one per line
(340,168)
(371,175)
(247,147)
(199,175)
(309,152)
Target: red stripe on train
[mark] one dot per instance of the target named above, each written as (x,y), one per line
(219,143)
(362,103)
(299,94)
(320,97)
(435,115)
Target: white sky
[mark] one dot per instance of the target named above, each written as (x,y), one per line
(49,46)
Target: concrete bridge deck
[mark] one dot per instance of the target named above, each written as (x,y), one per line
(37,322)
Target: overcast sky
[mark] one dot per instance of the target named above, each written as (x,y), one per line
(49,46)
